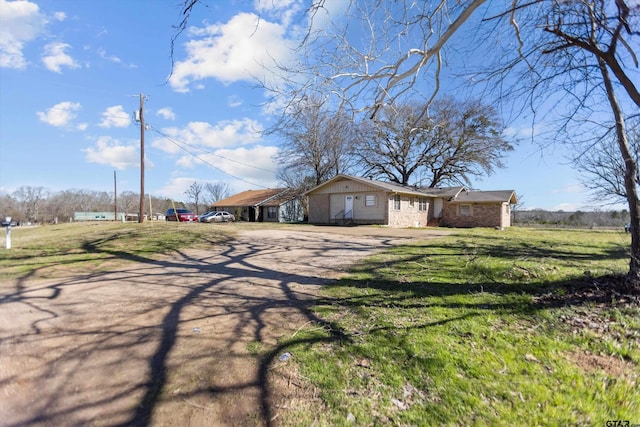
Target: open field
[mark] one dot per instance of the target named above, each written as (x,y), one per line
(199,324)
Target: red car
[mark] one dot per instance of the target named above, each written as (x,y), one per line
(185,215)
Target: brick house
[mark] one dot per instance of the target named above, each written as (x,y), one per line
(354,200)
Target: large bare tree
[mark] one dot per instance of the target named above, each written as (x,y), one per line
(316,142)
(458,141)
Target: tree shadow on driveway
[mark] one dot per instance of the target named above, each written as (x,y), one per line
(183,339)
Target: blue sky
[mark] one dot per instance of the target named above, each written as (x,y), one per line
(71,72)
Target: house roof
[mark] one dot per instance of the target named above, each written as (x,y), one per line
(508,196)
(443,192)
(454,194)
(268,197)
(393,187)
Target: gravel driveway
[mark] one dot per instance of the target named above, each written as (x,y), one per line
(184,340)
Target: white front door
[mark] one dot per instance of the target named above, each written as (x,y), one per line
(348,207)
(437,208)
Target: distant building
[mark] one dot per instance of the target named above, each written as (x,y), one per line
(97,216)
(271,205)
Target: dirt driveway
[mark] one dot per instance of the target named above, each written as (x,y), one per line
(189,339)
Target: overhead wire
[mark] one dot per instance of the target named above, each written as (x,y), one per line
(214,154)
(181,144)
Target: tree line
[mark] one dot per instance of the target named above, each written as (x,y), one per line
(38,205)
(577,219)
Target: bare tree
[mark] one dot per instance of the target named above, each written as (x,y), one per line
(9,207)
(215,191)
(316,142)
(30,200)
(459,140)
(603,168)
(588,49)
(194,193)
(374,53)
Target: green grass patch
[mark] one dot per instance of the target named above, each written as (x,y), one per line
(481,327)
(43,250)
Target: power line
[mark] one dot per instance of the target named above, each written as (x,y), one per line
(180,145)
(212,153)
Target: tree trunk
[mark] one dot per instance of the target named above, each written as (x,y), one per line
(631,169)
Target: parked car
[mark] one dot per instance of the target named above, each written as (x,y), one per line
(220,216)
(204,216)
(185,215)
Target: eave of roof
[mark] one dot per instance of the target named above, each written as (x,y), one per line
(250,197)
(497,196)
(395,188)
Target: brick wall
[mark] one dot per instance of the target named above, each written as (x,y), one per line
(409,215)
(319,209)
(481,215)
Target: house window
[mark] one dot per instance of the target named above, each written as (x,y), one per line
(370,200)
(465,210)
(272,212)
(411,201)
(396,202)
(422,204)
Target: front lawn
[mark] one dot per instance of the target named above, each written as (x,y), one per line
(483,327)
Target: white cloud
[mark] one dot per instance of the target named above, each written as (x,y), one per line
(566,207)
(229,133)
(104,55)
(61,114)
(255,164)
(331,11)
(166,113)
(59,16)
(240,50)
(239,176)
(115,117)
(574,188)
(55,57)
(284,10)
(234,101)
(273,5)
(109,151)
(20,23)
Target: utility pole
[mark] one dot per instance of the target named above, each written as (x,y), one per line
(141,213)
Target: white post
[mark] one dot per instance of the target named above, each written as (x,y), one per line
(7,240)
